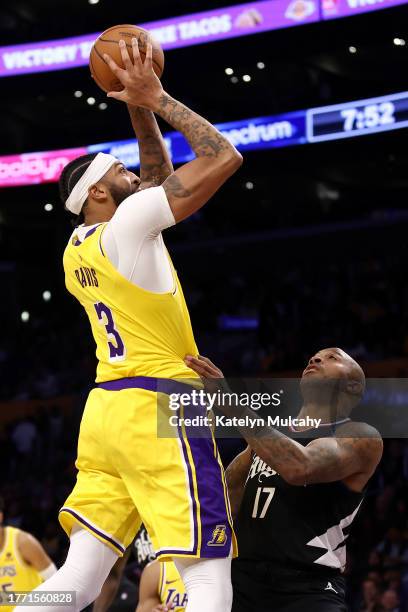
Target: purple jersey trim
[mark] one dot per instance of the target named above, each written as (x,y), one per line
(100,244)
(91,231)
(216,553)
(80,519)
(157,385)
(211,494)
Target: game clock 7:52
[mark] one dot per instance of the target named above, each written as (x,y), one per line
(357,118)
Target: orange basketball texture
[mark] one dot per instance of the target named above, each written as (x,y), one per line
(108,42)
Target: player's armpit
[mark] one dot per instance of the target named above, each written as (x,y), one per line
(32,552)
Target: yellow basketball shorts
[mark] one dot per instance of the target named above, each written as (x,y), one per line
(127,475)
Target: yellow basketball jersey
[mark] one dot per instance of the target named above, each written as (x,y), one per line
(171,587)
(15,574)
(137,332)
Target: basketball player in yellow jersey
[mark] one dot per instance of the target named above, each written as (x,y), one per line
(117,266)
(161,589)
(23,562)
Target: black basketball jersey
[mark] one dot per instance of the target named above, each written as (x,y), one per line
(142,548)
(299,527)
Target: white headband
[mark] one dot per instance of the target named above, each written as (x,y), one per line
(96,170)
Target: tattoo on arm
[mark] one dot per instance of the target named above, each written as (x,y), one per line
(155,163)
(176,188)
(284,455)
(204,138)
(323,460)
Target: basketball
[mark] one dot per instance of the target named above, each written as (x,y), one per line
(108,42)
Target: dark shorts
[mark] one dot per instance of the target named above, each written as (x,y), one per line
(258,587)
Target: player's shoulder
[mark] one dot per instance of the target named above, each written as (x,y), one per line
(24,542)
(27,540)
(24,537)
(362,439)
(357,429)
(12,532)
(76,236)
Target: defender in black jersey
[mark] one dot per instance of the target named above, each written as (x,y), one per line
(295,500)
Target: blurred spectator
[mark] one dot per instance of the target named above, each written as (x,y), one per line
(392,548)
(24,436)
(390,601)
(370,596)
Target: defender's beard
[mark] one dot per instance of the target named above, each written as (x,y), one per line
(324,391)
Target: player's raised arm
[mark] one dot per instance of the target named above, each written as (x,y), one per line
(192,185)
(155,162)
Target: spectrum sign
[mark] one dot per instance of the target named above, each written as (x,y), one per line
(188,30)
(258,133)
(347,120)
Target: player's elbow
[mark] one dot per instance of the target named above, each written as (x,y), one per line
(296,477)
(235,159)
(230,160)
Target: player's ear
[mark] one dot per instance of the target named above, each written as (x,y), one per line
(354,387)
(98,192)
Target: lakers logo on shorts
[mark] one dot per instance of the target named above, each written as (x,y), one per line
(219,536)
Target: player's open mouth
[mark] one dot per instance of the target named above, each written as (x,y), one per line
(310,369)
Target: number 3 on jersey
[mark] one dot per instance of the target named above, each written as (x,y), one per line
(117,350)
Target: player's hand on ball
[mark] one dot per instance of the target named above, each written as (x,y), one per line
(141,85)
